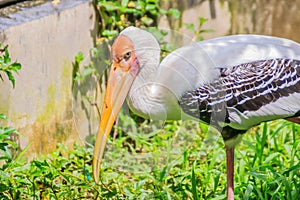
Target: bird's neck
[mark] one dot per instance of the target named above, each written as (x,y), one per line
(158,86)
(147,73)
(147,96)
(140,95)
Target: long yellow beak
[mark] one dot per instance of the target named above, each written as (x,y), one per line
(118,86)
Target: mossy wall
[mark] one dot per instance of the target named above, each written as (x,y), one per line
(45,39)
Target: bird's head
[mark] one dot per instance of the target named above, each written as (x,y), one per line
(130,52)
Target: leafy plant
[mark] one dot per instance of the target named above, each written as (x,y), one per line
(198,32)
(8,147)
(7,66)
(117,15)
(6,144)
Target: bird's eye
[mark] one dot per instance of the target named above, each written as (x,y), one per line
(127,55)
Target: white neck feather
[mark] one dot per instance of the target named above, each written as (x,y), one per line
(144,97)
(147,50)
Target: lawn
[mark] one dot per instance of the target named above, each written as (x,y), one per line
(171,160)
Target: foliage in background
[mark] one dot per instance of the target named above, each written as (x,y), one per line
(117,15)
(8,147)
(7,66)
(198,31)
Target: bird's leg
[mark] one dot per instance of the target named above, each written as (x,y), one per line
(230,172)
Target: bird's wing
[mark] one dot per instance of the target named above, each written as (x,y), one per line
(247,94)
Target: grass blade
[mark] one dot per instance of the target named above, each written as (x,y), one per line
(194,183)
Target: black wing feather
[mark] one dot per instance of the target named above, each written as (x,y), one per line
(245,87)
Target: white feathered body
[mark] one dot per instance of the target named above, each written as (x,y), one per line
(193,75)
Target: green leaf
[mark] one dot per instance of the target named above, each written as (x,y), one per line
(146,20)
(124,3)
(132,10)
(152,1)
(163,11)
(194,183)
(207,31)
(163,173)
(202,21)
(174,12)
(200,38)
(3,187)
(190,26)
(2,116)
(8,68)
(79,57)
(3,145)
(110,6)
(6,56)
(248,191)
(271,157)
(13,144)
(150,7)
(154,12)
(11,78)
(109,33)
(7,130)
(293,168)
(16,66)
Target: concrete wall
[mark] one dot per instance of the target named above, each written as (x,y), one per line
(45,39)
(227,17)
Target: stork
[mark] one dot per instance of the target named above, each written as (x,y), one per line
(232,83)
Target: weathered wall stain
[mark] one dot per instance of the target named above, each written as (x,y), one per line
(46,43)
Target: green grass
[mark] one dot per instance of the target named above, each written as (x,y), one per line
(151,160)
